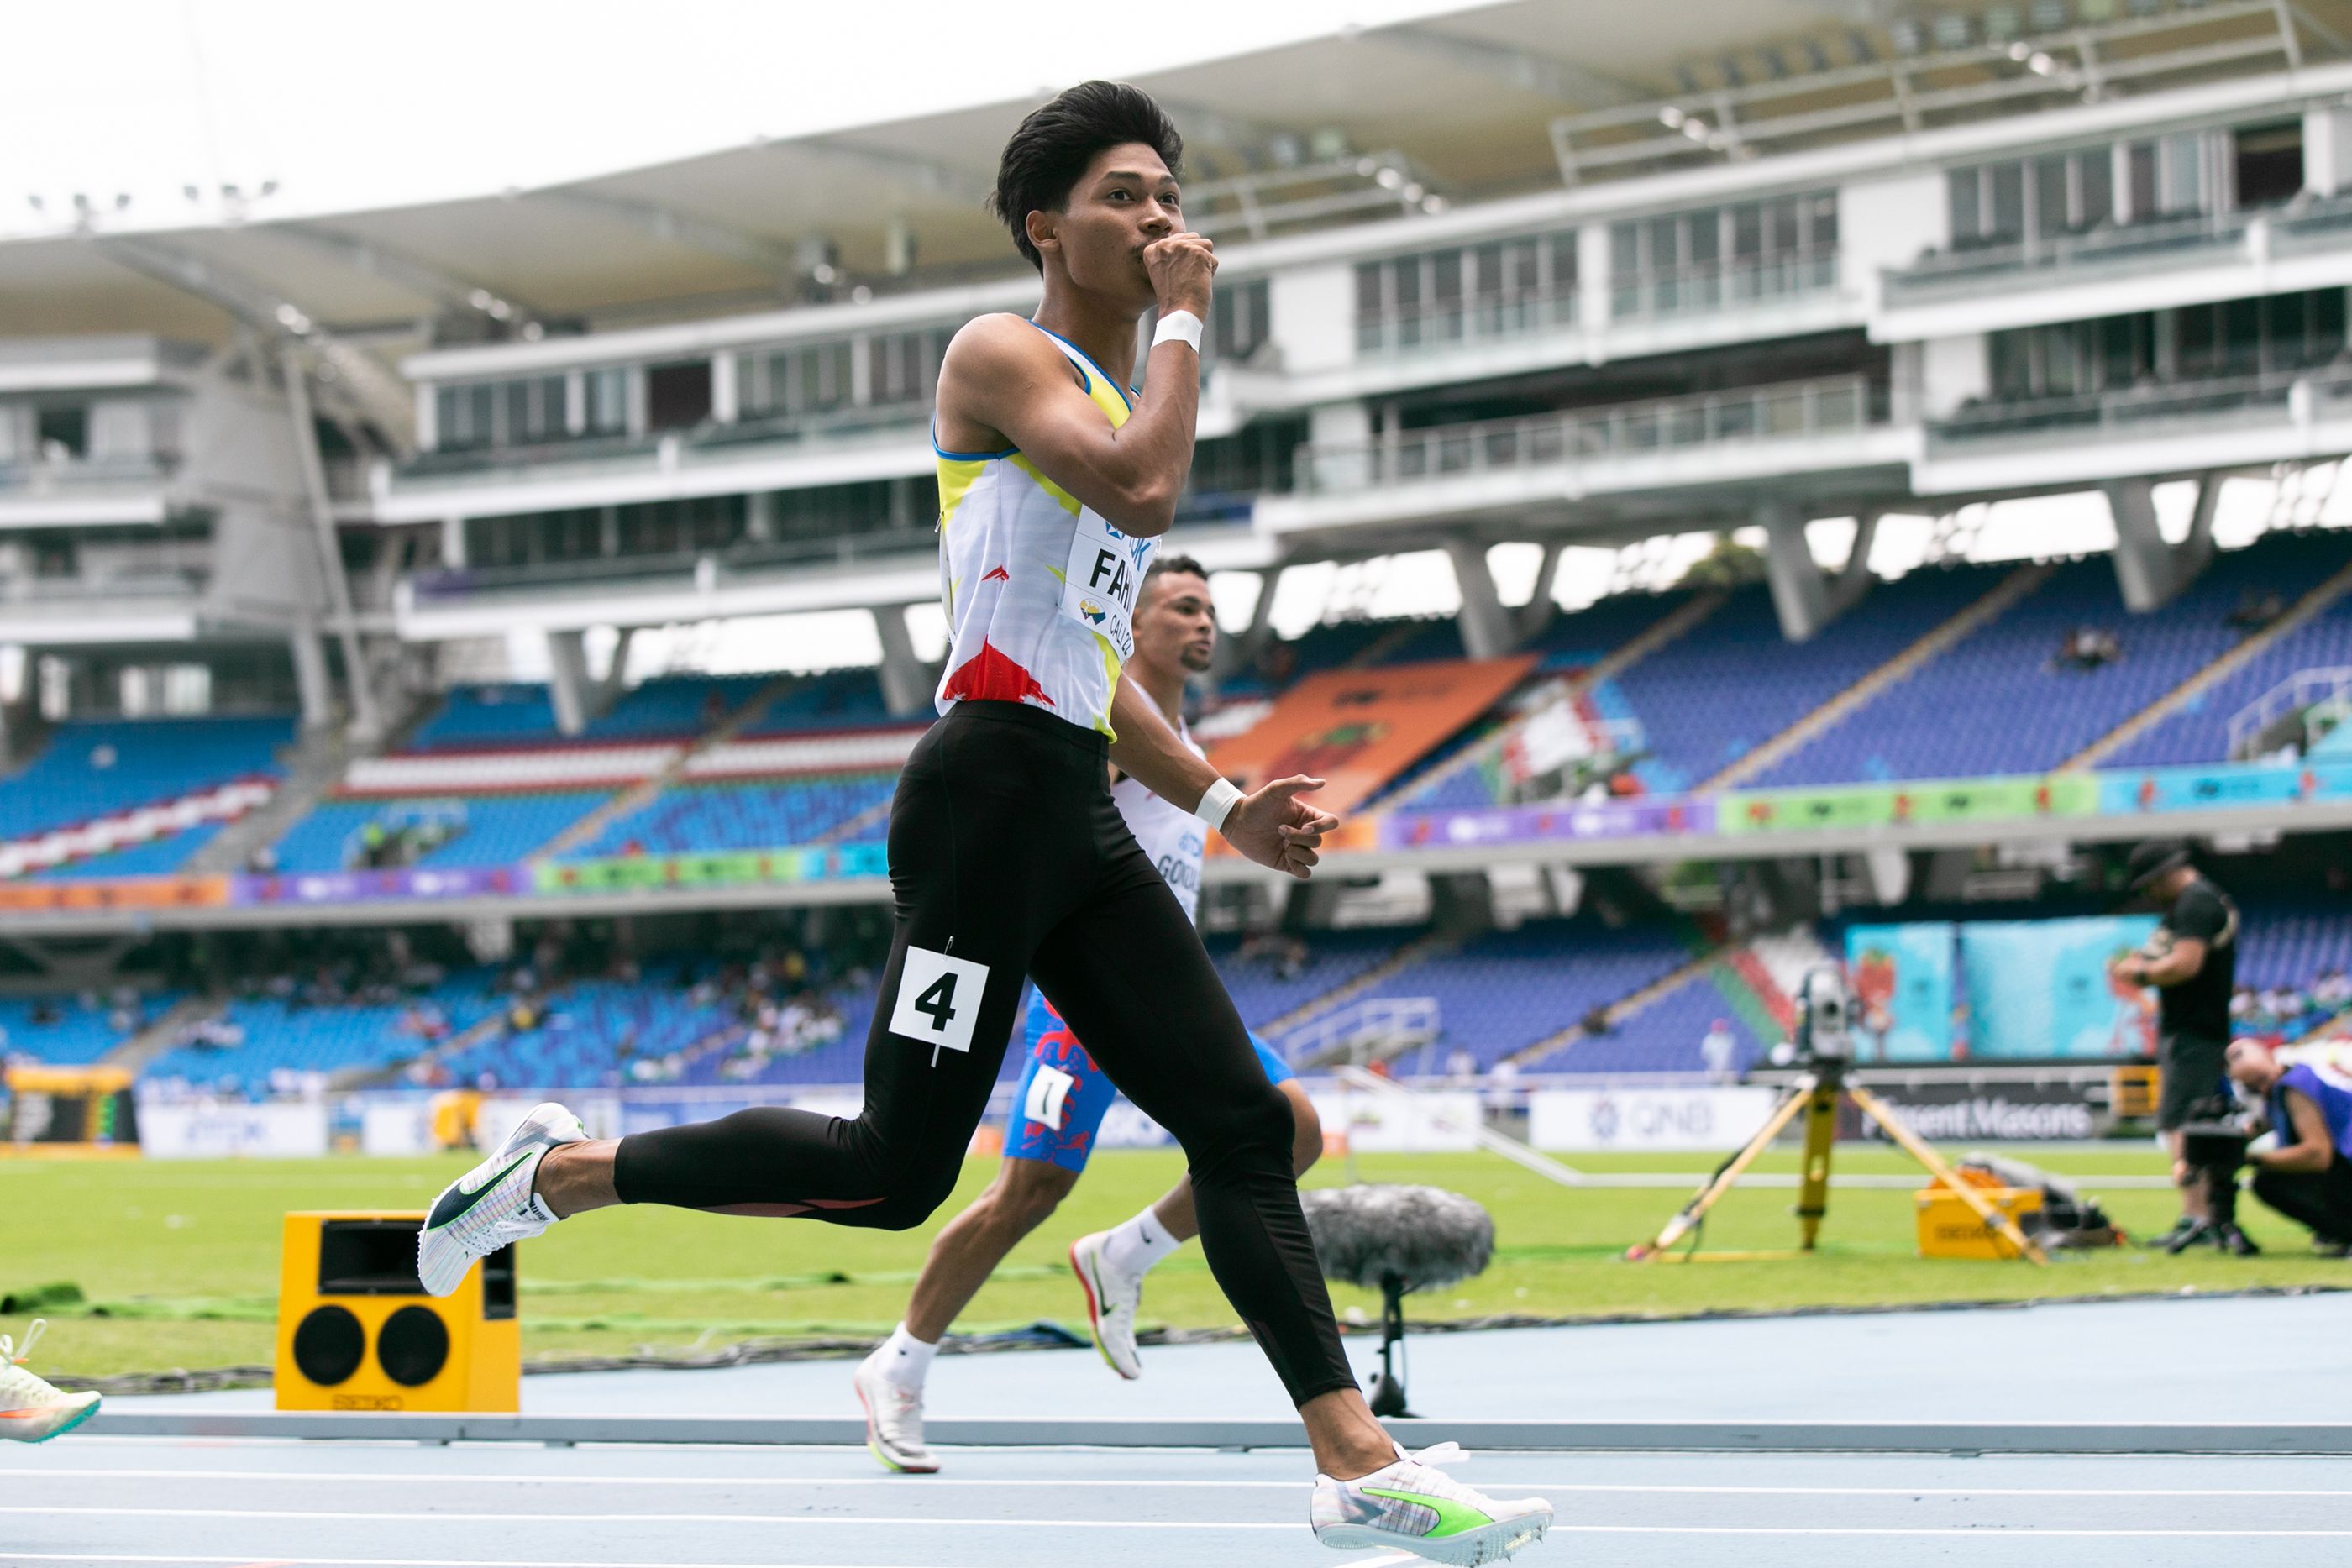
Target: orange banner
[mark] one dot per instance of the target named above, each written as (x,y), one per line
(103,894)
(1358,729)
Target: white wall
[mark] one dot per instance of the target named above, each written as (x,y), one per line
(1311,313)
(1957,369)
(1889,223)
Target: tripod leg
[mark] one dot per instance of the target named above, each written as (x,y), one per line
(1872,1106)
(1821,1138)
(1695,1209)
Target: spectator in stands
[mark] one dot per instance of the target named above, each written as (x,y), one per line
(2256,609)
(2192,960)
(2308,1175)
(1720,1051)
(1461,1066)
(2332,992)
(2087,648)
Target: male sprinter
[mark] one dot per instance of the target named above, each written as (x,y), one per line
(1008,856)
(1062,1097)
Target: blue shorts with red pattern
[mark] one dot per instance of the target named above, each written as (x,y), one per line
(1060,1101)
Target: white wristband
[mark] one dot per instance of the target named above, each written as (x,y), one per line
(1180,324)
(1217,803)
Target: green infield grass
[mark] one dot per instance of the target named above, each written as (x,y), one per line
(176,1263)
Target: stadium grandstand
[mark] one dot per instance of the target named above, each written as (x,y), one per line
(1701,510)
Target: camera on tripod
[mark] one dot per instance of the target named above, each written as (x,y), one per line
(1825,1032)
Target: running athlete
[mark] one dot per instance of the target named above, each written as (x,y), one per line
(1062,1096)
(1008,856)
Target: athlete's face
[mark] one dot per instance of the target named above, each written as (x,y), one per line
(1125,200)
(1175,626)
(2254,1067)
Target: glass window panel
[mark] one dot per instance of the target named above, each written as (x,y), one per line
(1371,299)
(1666,243)
(1705,232)
(1967,222)
(2184,173)
(1560,251)
(2095,172)
(2008,201)
(1445,277)
(1624,250)
(1782,219)
(2142,158)
(1747,232)
(1824,236)
(2050,216)
(1405,274)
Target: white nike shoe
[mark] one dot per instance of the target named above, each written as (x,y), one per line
(1409,1506)
(893,1419)
(31,1411)
(493,1204)
(1113,1297)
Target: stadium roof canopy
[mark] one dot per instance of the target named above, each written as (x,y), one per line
(1471,104)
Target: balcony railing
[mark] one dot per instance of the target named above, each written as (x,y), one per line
(1721,285)
(1788,411)
(1452,322)
(81,593)
(48,476)
(2265,394)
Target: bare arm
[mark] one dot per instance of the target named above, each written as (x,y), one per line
(1271,826)
(2313,1150)
(2187,957)
(1005,384)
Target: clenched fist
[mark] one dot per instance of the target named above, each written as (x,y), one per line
(1181,266)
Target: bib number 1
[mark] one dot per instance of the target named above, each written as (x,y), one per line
(938,1001)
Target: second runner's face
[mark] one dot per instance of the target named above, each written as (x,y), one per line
(1126,200)
(1175,626)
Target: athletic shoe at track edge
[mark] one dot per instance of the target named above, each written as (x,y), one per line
(1113,1298)
(493,1204)
(1410,1506)
(31,1411)
(893,1419)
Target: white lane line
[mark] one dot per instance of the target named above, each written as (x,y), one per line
(413,1516)
(934,1483)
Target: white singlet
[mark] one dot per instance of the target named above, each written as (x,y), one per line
(1173,837)
(1039,589)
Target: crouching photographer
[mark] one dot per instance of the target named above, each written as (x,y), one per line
(2307,1176)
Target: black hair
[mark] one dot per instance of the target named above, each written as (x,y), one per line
(1174,563)
(1050,152)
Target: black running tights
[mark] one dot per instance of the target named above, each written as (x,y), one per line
(1008,858)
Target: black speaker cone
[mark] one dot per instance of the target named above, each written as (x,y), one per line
(413,1346)
(328,1345)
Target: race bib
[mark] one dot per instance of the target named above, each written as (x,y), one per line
(1105,572)
(1049,1094)
(938,1001)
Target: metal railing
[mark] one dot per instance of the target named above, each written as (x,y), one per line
(42,476)
(2252,725)
(1369,1030)
(1721,285)
(1453,322)
(1790,409)
(2323,223)
(138,585)
(2266,391)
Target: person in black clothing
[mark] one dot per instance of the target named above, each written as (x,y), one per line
(2192,961)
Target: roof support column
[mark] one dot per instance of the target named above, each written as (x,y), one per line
(1487,631)
(907,683)
(1235,655)
(1806,597)
(310,681)
(577,696)
(2149,570)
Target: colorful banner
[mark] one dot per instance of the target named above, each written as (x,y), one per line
(2039,989)
(1854,806)
(1903,975)
(1567,819)
(736,868)
(1358,729)
(408,882)
(2222,786)
(85,894)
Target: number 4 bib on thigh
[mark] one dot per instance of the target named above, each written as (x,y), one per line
(938,1001)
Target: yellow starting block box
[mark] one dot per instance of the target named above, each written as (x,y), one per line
(357,1331)
(1949,1228)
